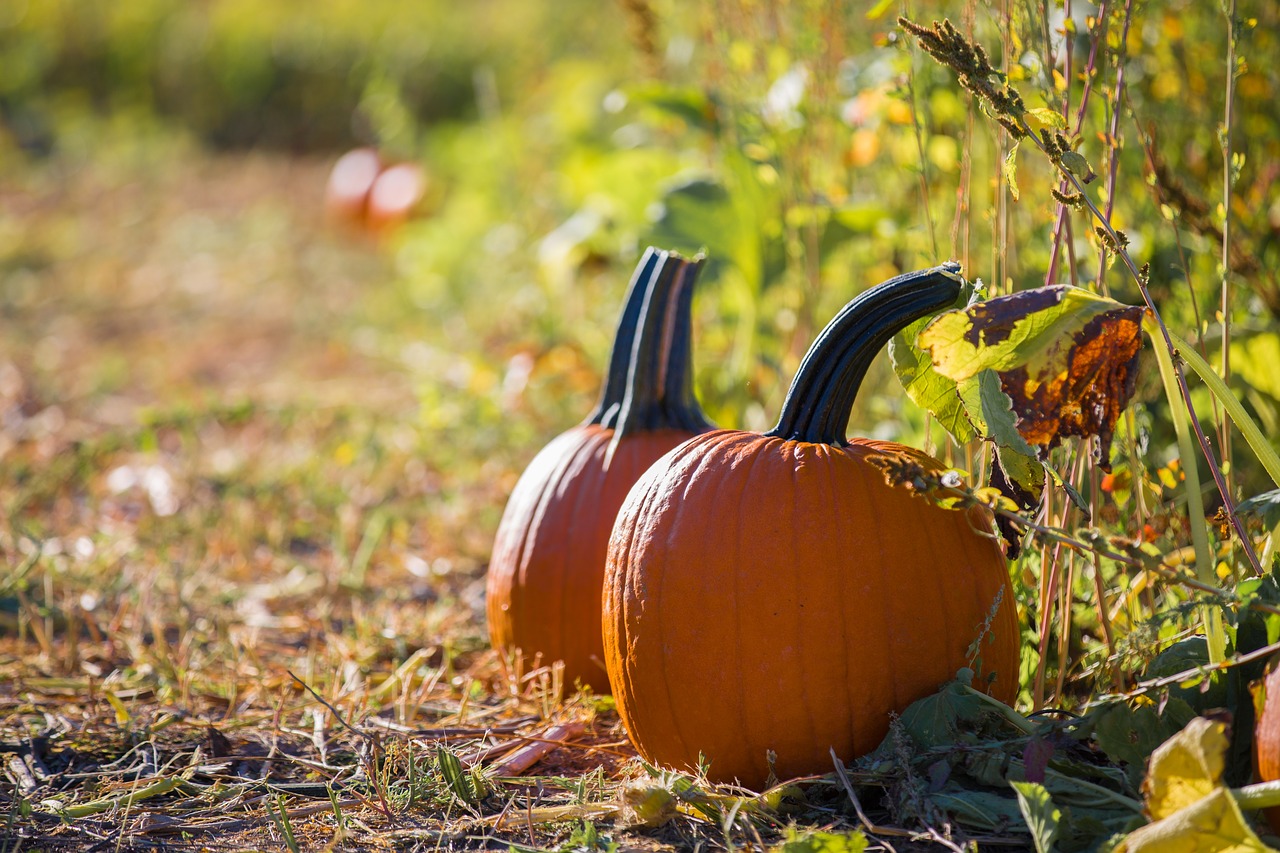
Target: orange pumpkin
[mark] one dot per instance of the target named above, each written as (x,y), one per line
(774,594)
(347,192)
(394,195)
(1266,735)
(547,568)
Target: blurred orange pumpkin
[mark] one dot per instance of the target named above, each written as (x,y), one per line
(350,181)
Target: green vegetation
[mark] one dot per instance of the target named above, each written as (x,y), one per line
(245,455)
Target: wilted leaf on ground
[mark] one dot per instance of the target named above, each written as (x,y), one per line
(1040,814)
(1187,767)
(1066,357)
(1193,810)
(1213,824)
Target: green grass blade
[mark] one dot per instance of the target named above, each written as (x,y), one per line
(1248,427)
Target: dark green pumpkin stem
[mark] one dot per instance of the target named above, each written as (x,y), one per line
(822,394)
(659,392)
(615,378)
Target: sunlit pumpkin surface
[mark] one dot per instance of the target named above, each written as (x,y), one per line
(771,594)
(547,570)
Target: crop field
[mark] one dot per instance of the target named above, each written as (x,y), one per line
(256,441)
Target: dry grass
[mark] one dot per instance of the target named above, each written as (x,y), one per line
(240,581)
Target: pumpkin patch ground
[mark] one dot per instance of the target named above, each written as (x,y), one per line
(943,513)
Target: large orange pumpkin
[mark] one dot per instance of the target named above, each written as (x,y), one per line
(547,568)
(773,594)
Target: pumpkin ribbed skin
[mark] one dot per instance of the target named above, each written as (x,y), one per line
(1266,738)
(547,570)
(814,600)
(774,593)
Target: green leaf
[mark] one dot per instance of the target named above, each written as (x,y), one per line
(1011,331)
(822,842)
(1266,505)
(998,415)
(1049,118)
(1025,471)
(736,221)
(455,777)
(927,388)
(877,11)
(1075,163)
(1040,814)
(1130,734)
(1011,170)
(998,423)
(982,810)
(685,102)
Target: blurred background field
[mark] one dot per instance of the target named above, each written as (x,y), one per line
(239,439)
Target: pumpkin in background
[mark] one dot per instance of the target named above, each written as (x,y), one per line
(1266,735)
(547,568)
(774,593)
(394,196)
(350,181)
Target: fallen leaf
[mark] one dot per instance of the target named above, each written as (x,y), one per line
(1213,824)
(1187,767)
(1040,814)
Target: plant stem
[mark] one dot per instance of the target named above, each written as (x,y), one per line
(1165,571)
(1224,429)
(1183,389)
(925,195)
(1257,442)
(1263,795)
(1195,503)
(1113,136)
(1089,72)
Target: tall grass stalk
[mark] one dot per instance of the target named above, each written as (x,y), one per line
(1224,429)
(1211,613)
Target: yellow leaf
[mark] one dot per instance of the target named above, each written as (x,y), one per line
(1187,767)
(1048,117)
(122,713)
(877,11)
(1212,824)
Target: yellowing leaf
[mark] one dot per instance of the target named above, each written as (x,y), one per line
(1011,170)
(1067,358)
(877,11)
(1075,163)
(122,713)
(1187,767)
(1212,824)
(1048,117)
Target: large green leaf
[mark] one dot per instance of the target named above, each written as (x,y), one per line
(736,220)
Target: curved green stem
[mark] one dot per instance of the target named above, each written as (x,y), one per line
(615,378)
(821,395)
(659,388)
